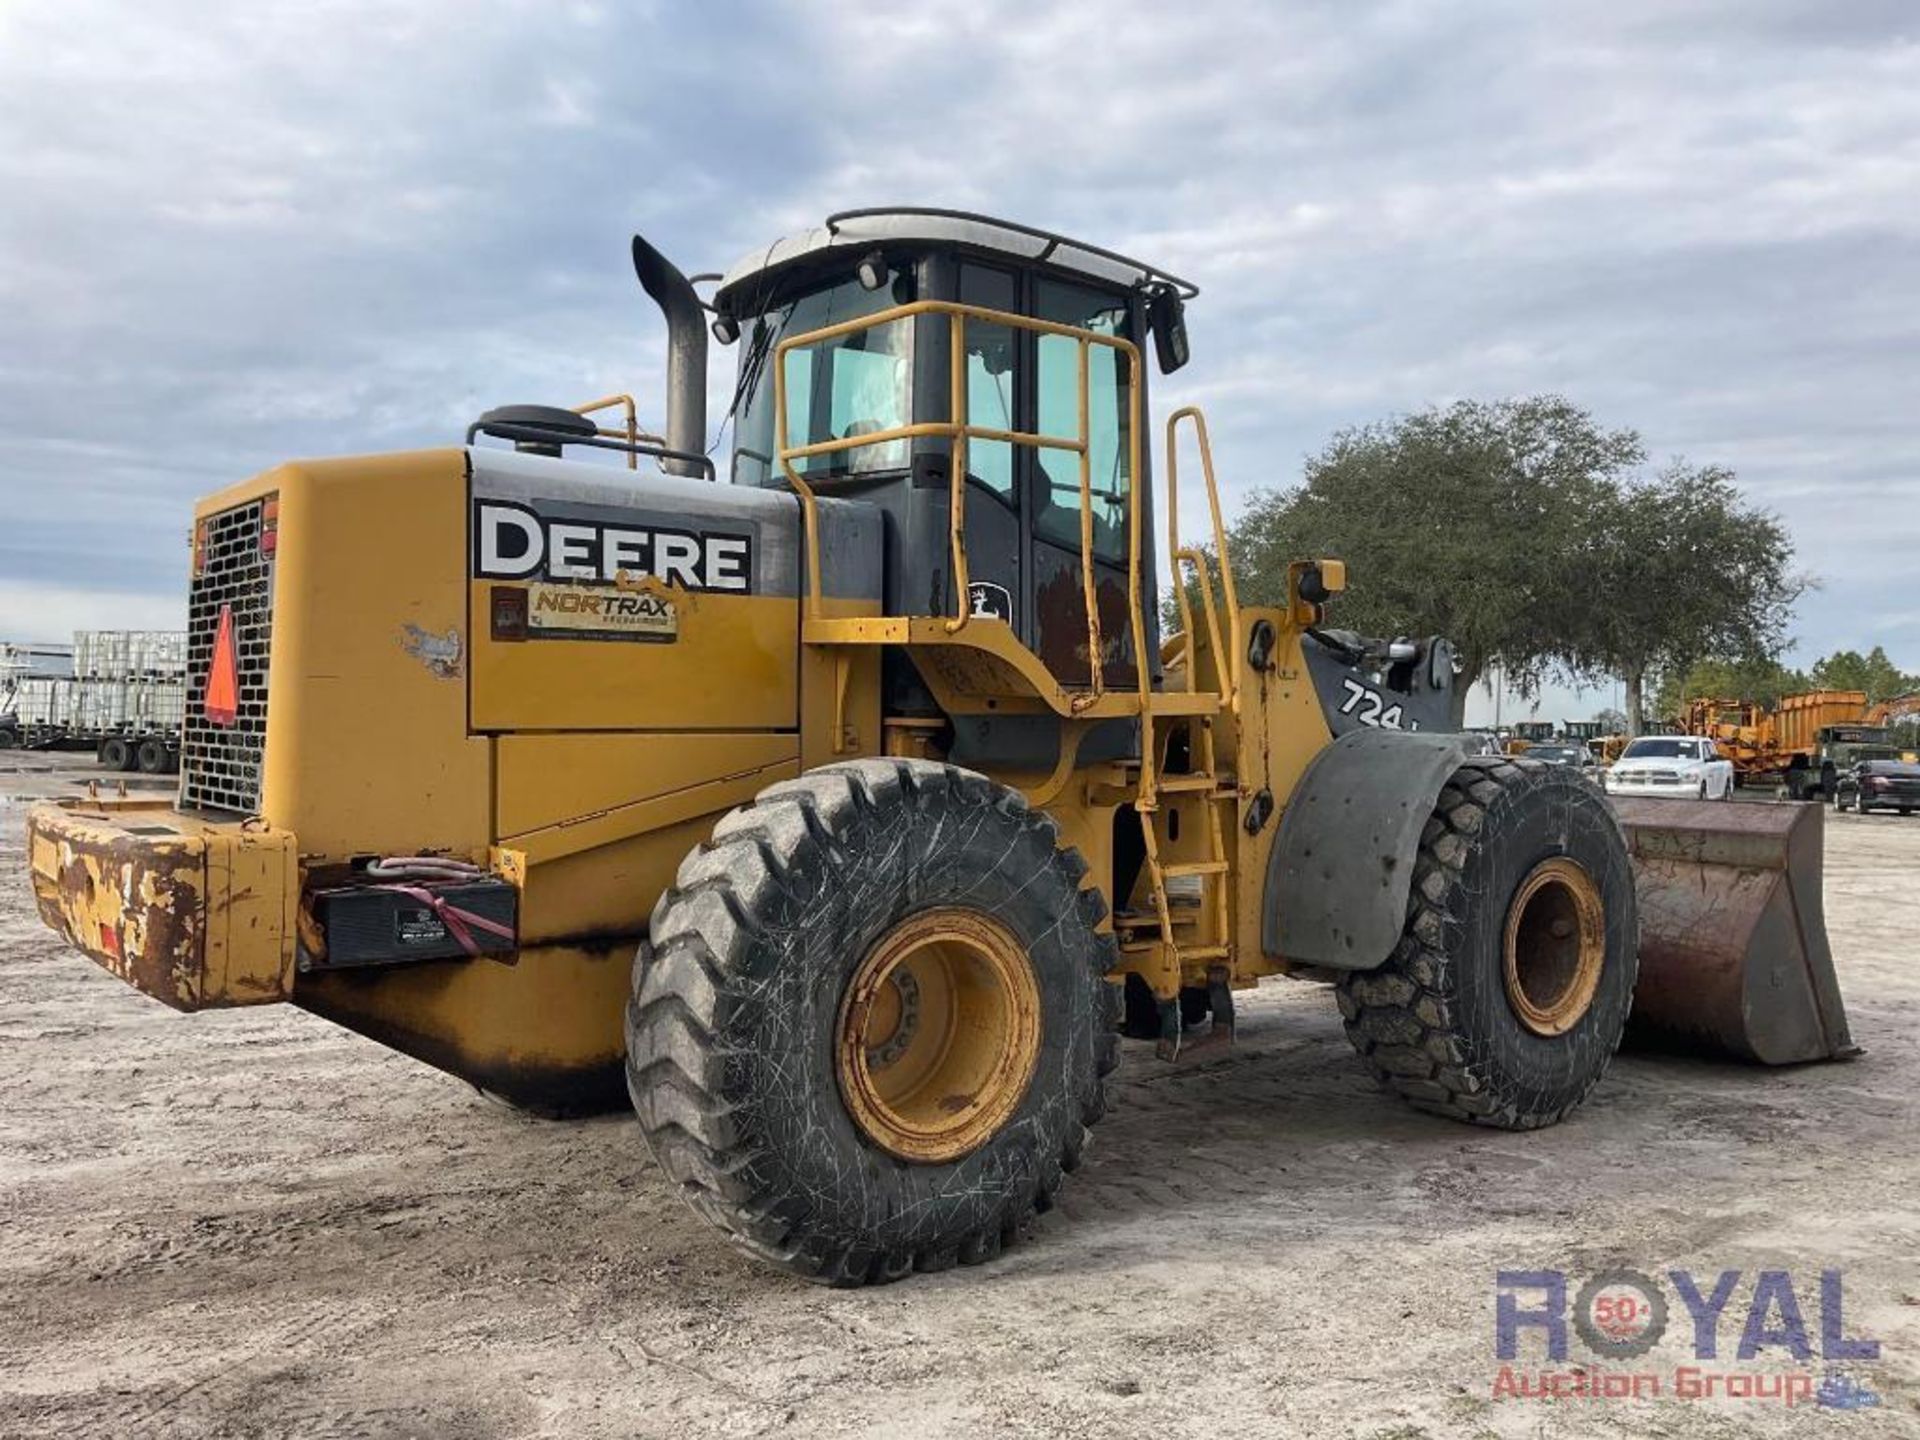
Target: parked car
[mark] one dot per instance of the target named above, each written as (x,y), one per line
(1478,742)
(1889,784)
(1563,752)
(1683,767)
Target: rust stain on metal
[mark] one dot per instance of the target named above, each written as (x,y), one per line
(136,909)
(684,602)
(1733,939)
(1062,627)
(193,918)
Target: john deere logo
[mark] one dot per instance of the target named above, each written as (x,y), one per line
(516,542)
(988,601)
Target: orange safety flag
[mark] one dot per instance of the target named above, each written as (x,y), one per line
(222,705)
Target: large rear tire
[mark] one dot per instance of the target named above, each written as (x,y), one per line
(871,1025)
(1505,999)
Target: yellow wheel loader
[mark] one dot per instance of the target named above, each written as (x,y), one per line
(873,748)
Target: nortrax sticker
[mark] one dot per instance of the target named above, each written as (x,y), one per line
(516,542)
(578,612)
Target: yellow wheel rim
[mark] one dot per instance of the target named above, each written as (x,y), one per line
(1555,947)
(938,1035)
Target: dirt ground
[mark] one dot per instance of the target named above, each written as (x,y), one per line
(253,1223)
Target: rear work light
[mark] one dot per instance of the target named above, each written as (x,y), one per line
(270,525)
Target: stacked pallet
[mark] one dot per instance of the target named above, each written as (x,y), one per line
(126,686)
(130,654)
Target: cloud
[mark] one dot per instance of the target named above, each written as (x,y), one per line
(240,233)
(25,610)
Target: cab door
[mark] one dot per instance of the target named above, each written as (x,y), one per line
(1057,590)
(1023,502)
(996,503)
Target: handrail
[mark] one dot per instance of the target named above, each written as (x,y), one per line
(1204,578)
(1053,241)
(634,434)
(959,432)
(1232,661)
(600,439)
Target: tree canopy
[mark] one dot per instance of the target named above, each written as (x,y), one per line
(1522,531)
(1872,672)
(1459,522)
(1763,680)
(1679,568)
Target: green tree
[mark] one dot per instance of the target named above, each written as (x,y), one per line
(1467,521)
(1677,569)
(1872,672)
(1762,680)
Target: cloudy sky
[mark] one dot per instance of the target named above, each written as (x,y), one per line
(234,233)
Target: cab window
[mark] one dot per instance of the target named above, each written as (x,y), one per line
(1109,405)
(991,397)
(852,385)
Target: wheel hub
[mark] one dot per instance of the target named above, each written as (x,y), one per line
(896,1017)
(939,1035)
(1554,947)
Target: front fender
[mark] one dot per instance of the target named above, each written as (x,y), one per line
(1342,864)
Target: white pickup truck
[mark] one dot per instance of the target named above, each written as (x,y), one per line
(1685,767)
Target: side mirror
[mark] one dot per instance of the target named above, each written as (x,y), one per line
(1167,317)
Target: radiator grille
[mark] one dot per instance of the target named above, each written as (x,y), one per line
(220,764)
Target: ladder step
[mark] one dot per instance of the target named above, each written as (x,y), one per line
(1225,777)
(1197,867)
(1144,921)
(1182,952)
(1184,702)
(1186,782)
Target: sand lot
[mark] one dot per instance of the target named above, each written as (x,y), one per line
(253,1223)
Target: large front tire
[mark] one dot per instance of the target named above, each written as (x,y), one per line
(871,1025)
(1506,997)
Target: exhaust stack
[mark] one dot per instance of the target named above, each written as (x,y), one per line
(686,355)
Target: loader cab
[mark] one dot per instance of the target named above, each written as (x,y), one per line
(861,383)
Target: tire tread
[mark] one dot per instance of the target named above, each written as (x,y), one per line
(683,986)
(1401,1018)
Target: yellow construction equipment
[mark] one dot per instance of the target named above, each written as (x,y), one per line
(1803,741)
(876,753)
(1899,710)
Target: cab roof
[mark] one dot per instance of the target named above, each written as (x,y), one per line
(862,229)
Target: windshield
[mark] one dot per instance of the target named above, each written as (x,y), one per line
(1553,752)
(1662,748)
(852,385)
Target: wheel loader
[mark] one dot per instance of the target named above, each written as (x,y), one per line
(846,801)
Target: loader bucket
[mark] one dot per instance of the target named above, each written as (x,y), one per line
(1733,938)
